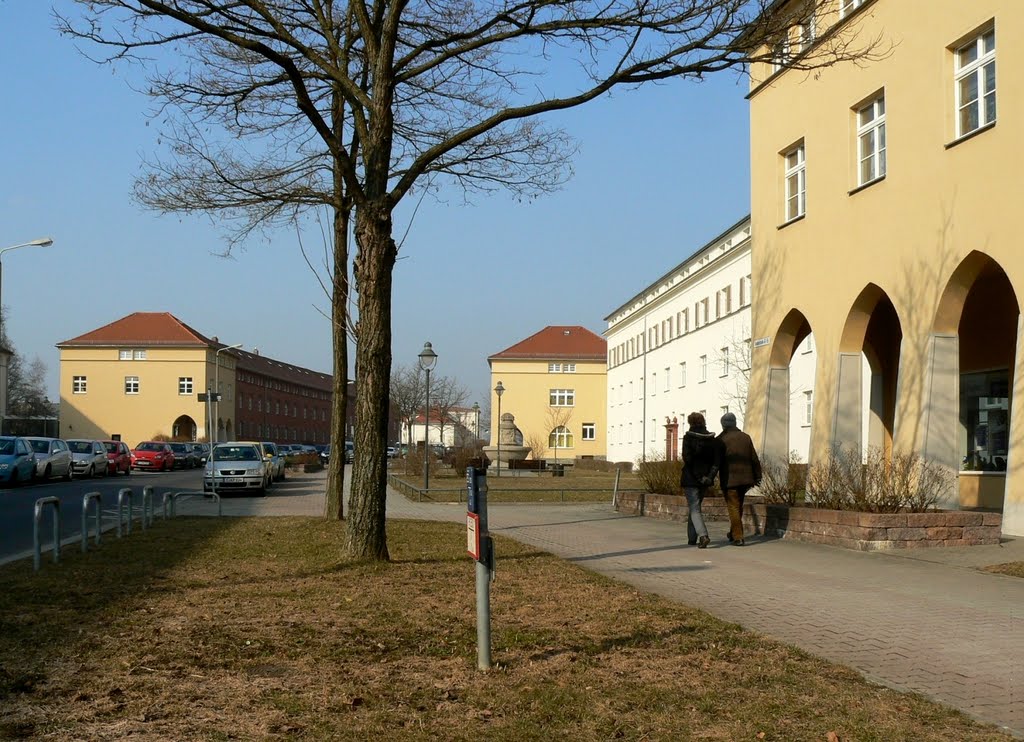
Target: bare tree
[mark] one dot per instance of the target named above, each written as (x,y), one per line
(538,442)
(407,390)
(445,399)
(557,419)
(387,97)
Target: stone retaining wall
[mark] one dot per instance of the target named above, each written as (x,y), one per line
(861,531)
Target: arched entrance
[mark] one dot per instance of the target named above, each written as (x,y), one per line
(794,330)
(868,374)
(184,429)
(973,354)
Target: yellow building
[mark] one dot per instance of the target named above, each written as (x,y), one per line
(555,385)
(141,376)
(884,221)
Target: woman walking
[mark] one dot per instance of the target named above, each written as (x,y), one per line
(700,465)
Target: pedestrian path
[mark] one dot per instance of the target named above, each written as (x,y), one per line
(929,623)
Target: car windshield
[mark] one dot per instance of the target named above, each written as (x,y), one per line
(6,446)
(40,446)
(80,446)
(150,447)
(235,453)
(111,447)
(179,448)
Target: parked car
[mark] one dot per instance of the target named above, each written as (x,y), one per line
(153,455)
(119,457)
(392,452)
(235,466)
(88,458)
(271,453)
(17,460)
(184,458)
(53,457)
(350,452)
(325,455)
(201,451)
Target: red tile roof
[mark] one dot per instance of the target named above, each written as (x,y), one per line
(558,342)
(143,328)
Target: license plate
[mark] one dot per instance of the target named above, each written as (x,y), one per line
(142,463)
(232,480)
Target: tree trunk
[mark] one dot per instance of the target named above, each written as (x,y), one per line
(334,507)
(373,272)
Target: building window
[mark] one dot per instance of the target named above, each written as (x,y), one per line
(781,52)
(589,432)
(703,369)
(796,182)
(184,385)
(808,407)
(554,368)
(724,409)
(871,140)
(124,355)
(79,385)
(848,6)
(807,31)
(725,361)
(131,384)
(668,381)
(277,407)
(139,355)
(250,403)
(231,395)
(560,437)
(976,83)
(808,344)
(562,397)
(984,420)
(654,383)
(682,374)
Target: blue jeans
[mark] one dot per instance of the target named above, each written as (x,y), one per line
(695,525)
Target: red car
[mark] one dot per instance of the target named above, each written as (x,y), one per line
(153,455)
(119,457)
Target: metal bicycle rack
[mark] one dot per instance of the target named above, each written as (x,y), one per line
(148,514)
(37,555)
(121,494)
(171,499)
(86,499)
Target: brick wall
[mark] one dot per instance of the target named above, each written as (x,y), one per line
(861,531)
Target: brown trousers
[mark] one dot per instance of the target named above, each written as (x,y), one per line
(734,504)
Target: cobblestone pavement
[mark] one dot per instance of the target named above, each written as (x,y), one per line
(924,621)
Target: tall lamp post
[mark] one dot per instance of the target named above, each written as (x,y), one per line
(42,242)
(428,358)
(216,384)
(476,411)
(499,390)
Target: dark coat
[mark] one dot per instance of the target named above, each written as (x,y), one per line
(740,465)
(700,457)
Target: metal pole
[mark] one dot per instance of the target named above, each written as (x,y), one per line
(216,388)
(615,489)
(484,575)
(498,467)
(426,438)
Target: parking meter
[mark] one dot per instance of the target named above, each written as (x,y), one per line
(481,548)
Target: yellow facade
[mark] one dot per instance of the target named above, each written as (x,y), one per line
(528,386)
(106,408)
(918,270)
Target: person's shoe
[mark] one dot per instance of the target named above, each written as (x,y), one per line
(702,542)
(739,542)
(728,535)
(692,543)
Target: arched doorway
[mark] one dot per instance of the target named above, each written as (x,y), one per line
(184,429)
(792,333)
(973,354)
(868,374)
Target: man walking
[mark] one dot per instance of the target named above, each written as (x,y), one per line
(740,470)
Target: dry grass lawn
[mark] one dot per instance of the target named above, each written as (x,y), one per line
(1013,569)
(255,629)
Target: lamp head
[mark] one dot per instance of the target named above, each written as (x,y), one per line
(499,389)
(427,357)
(42,242)
(476,407)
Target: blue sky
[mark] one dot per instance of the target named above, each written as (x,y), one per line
(659,172)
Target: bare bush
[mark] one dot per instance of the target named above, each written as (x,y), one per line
(782,482)
(876,483)
(659,476)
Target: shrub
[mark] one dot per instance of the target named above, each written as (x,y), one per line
(782,481)
(875,483)
(659,476)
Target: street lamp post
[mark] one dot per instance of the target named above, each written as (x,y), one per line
(42,242)
(476,410)
(216,384)
(427,360)
(499,390)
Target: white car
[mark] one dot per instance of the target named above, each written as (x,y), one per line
(88,458)
(236,467)
(53,457)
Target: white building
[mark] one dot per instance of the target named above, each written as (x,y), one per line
(460,427)
(683,344)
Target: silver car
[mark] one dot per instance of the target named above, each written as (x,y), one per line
(236,467)
(53,457)
(88,458)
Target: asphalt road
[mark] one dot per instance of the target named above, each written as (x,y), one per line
(17,505)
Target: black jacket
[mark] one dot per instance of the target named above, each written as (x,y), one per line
(739,467)
(701,457)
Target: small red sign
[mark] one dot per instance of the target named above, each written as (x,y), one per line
(473,535)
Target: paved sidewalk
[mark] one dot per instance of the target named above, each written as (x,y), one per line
(928,623)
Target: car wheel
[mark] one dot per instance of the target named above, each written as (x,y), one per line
(128,470)
(89,474)
(14,478)
(69,475)
(47,472)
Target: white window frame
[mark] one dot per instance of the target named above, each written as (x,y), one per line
(554,368)
(782,52)
(808,407)
(682,374)
(848,6)
(588,432)
(138,355)
(562,398)
(561,437)
(703,369)
(808,31)
(871,141)
(79,385)
(185,385)
(725,361)
(668,378)
(131,384)
(795,182)
(976,70)
(654,383)
(124,355)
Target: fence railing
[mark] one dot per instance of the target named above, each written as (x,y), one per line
(37,548)
(438,494)
(87,498)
